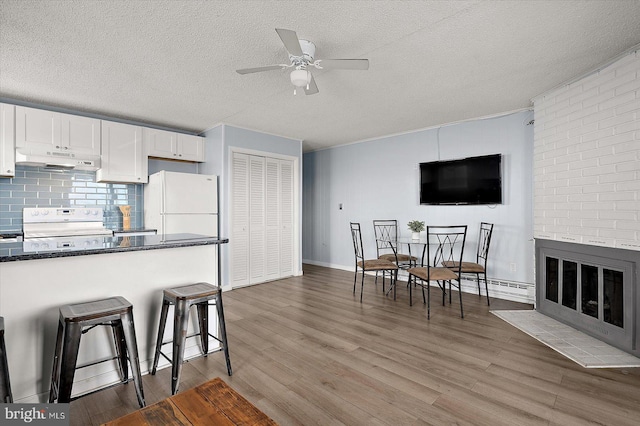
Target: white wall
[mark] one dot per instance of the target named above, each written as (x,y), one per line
(379,179)
(587,158)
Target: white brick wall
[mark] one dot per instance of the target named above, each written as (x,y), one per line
(587,158)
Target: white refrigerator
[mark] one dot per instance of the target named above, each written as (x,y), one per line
(177,203)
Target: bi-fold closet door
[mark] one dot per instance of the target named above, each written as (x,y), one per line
(261,242)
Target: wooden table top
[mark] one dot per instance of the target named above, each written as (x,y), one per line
(212,403)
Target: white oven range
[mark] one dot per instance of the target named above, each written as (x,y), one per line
(63,228)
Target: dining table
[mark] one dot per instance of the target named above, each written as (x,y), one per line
(432,252)
(420,244)
(409,241)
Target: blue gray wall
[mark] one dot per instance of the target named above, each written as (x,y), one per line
(219,143)
(379,179)
(172,166)
(38,187)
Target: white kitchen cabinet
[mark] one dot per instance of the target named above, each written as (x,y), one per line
(123,156)
(174,146)
(159,143)
(41,131)
(7,141)
(190,147)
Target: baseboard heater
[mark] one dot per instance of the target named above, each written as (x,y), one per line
(502,289)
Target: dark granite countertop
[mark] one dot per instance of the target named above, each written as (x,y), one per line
(135,230)
(14,251)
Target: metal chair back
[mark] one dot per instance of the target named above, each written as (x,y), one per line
(446,244)
(386,232)
(356,235)
(484,240)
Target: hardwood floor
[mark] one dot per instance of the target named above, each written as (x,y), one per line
(305,351)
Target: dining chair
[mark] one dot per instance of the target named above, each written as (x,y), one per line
(386,232)
(479,267)
(371,264)
(445,244)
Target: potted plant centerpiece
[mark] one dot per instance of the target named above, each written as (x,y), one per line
(416,227)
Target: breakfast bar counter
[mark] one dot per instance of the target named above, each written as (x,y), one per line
(34,284)
(27,250)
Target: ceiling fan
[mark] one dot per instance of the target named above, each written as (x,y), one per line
(301,55)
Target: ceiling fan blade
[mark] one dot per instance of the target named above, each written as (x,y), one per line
(260,69)
(342,64)
(313,87)
(290,40)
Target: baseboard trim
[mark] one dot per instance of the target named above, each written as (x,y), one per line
(498,288)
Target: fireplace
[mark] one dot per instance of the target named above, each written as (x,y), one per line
(594,289)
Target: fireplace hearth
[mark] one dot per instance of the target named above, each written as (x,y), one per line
(593,289)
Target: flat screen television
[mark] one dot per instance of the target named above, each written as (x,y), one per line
(473,180)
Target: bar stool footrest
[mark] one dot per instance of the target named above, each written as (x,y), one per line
(211,351)
(89,364)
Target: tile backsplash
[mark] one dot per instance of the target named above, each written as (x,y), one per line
(39,187)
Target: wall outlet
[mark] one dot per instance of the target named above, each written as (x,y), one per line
(512,267)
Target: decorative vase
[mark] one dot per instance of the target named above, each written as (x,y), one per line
(415,235)
(126,217)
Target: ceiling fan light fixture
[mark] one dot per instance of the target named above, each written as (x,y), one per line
(300,78)
(302,56)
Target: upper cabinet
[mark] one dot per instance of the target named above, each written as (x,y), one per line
(42,130)
(120,150)
(190,147)
(172,145)
(123,156)
(7,140)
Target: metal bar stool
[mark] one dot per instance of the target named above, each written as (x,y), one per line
(5,385)
(183,298)
(116,312)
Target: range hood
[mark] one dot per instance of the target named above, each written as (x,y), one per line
(57,160)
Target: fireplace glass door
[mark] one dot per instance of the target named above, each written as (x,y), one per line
(599,288)
(588,292)
(569,284)
(613,304)
(593,289)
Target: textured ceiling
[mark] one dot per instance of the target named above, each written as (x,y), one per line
(172,63)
